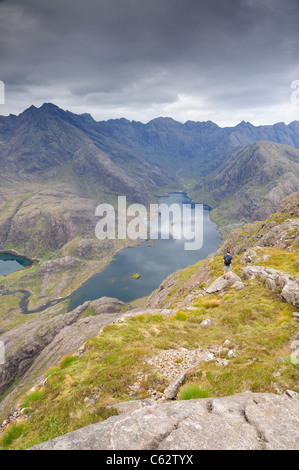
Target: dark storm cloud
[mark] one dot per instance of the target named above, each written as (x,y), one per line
(198,59)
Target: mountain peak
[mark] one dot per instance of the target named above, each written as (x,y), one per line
(45,108)
(245,124)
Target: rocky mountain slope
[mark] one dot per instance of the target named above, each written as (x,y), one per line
(222,336)
(251,183)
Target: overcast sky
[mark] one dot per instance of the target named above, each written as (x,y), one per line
(219,60)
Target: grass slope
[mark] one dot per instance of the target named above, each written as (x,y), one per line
(114,368)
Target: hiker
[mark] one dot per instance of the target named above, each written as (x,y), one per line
(227,264)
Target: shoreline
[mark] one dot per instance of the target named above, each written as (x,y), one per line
(34,261)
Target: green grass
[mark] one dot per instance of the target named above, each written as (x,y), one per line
(32,398)
(135,276)
(182,316)
(279,259)
(190,391)
(11,434)
(66,361)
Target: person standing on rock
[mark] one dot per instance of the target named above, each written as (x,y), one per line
(227,259)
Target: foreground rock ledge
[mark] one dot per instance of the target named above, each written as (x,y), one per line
(246,421)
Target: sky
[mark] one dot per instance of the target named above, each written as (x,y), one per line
(219,60)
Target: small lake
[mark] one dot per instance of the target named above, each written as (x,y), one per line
(10,263)
(154,263)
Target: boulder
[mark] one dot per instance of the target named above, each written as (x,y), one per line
(248,257)
(246,421)
(222,282)
(171,391)
(207,323)
(238,285)
(231,354)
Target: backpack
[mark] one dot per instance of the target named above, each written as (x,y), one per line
(227,260)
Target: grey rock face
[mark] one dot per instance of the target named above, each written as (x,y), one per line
(133,405)
(25,343)
(171,391)
(221,283)
(238,285)
(279,235)
(275,279)
(275,233)
(107,305)
(242,422)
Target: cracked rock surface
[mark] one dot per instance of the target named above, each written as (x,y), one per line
(275,279)
(245,421)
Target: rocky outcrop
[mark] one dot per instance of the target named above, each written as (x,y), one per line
(242,422)
(222,282)
(282,236)
(105,305)
(290,205)
(46,220)
(279,231)
(275,280)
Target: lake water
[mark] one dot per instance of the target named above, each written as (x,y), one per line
(154,263)
(10,263)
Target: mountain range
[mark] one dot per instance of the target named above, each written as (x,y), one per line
(56,167)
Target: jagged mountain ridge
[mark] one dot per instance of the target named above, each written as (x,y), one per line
(45,137)
(48,143)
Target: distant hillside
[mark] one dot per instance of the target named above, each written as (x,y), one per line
(196,146)
(251,183)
